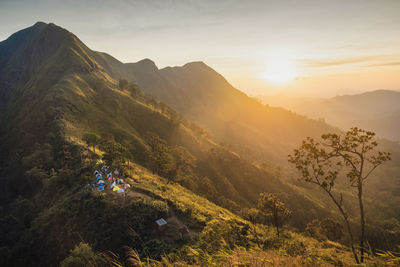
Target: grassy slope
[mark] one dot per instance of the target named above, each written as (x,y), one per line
(201,216)
(79,97)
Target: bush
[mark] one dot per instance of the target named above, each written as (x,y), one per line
(82,255)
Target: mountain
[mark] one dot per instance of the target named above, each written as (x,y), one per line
(377,110)
(55,92)
(202,95)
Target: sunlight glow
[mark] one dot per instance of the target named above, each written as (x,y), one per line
(279,71)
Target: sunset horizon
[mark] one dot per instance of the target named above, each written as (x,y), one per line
(331,48)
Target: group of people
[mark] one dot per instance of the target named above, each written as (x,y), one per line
(117,184)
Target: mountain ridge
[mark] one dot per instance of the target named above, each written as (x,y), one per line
(81,96)
(64,90)
(375,110)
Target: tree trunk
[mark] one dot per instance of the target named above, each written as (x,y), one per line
(277,229)
(362,222)
(351,239)
(276,222)
(347,226)
(256,235)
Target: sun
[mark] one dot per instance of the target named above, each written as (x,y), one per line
(279,71)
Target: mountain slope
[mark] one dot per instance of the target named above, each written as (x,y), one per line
(204,96)
(54,89)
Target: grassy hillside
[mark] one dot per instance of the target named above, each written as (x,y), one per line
(55,91)
(214,232)
(84,99)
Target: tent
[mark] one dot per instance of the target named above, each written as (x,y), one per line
(116,188)
(100,182)
(101,187)
(113,185)
(120,191)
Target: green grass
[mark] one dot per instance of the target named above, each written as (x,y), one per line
(291,249)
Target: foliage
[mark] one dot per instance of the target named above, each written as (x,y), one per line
(82,255)
(325,229)
(253,216)
(271,206)
(113,152)
(390,258)
(320,164)
(91,139)
(57,98)
(162,161)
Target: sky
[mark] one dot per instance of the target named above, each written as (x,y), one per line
(317,48)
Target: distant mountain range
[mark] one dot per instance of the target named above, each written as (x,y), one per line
(378,111)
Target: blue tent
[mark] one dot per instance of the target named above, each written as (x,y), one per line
(120,190)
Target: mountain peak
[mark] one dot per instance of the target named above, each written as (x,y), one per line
(147,61)
(144,64)
(196,65)
(191,66)
(40,24)
(38,48)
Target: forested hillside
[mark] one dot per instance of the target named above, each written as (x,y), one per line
(178,136)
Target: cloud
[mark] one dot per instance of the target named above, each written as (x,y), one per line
(384,64)
(380,60)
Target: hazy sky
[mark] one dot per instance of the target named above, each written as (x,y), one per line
(327,46)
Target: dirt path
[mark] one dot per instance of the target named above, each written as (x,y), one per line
(173,219)
(132,193)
